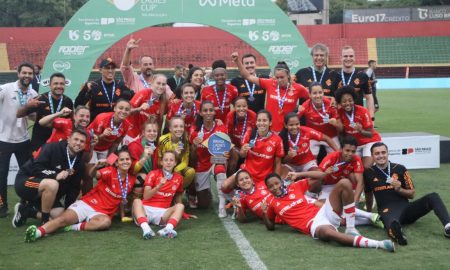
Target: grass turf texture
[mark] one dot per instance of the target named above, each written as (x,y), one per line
(204,243)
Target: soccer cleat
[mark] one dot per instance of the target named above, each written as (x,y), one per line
(30,234)
(148,235)
(19,218)
(352,231)
(222,213)
(447,230)
(376,221)
(167,233)
(396,232)
(387,245)
(68,228)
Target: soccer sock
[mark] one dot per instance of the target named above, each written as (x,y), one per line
(78,226)
(45,217)
(349,214)
(40,232)
(362,213)
(362,221)
(362,242)
(171,224)
(142,221)
(221,177)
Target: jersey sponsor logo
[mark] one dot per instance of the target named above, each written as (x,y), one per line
(289,206)
(48,172)
(259,154)
(110,192)
(58,167)
(381,188)
(288,100)
(165,194)
(292,196)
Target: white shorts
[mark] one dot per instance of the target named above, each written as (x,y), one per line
(84,211)
(325,193)
(315,145)
(98,155)
(364,150)
(154,214)
(203,180)
(325,216)
(302,168)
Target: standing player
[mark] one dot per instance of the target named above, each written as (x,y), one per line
(54,174)
(349,76)
(93,212)
(370,71)
(51,102)
(255,95)
(321,116)
(357,123)
(161,187)
(392,186)
(14,137)
(291,206)
(221,93)
(187,108)
(282,95)
(196,77)
(101,95)
(318,72)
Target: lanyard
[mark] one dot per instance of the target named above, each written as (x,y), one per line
(202,133)
(187,110)
(168,175)
(124,190)
(50,101)
(388,174)
(314,74)
(294,144)
(114,128)
(336,166)
(244,127)
(281,100)
(71,162)
(250,90)
(23,98)
(221,106)
(351,117)
(325,115)
(349,79)
(110,100)
(144,82)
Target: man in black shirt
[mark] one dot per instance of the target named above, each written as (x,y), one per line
(393,187)
(101,95)
(255,95)
(318,72)
(54,174)
(51,102)
(348,75)
(177,79)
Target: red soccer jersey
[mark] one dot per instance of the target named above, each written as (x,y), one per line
(106,196)
(164,196)
(362,117)
(345,169)
(315,120)
(236,129)
(293,208)
(252,201)
(102,122)
(208,93)
(304,154)
(189,119)
(203,155)
(136,149)
(138,119)
(260,159)
(292,97)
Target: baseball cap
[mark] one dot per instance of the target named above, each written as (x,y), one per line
(107,61)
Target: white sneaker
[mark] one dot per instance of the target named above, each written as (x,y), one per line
(149,235)
(167,233)
(222,213)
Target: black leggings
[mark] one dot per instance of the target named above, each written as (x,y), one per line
(409,213)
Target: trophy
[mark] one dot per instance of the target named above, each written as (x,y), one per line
(217,144)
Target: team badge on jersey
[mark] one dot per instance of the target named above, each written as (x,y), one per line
(292,196)
(269,149)
(174,187)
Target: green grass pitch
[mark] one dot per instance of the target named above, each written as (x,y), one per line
(205,244)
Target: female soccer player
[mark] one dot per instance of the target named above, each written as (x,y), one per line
(148,102)
(204,127)
(93,212)
(296,141)
(176,140)
(187,108)
(240,123)
(321,116)
(161,187)
(262,151)
(358,123)
(291,206)
(282,93)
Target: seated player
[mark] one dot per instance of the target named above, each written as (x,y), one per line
(291,206)
(161,187)
(54,174)
(393,188)
(93,212)
(240,123)
(296,142)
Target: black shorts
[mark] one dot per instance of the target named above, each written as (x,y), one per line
(27,187)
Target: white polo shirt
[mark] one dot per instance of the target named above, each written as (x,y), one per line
(12,129)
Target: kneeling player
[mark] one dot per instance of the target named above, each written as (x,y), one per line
(160,188)
(94,210)
(290,204)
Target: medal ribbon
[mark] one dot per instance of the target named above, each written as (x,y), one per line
(106,92)
(123,190)
(115,129)
(314,74)
(388,174)
(221,106)
(250,90)
(294,144)
(144,82)
(352,116)
(282,100)
(325,115)
(71,162)
(349,79)
(50,101)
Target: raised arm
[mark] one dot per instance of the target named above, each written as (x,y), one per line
(131,44)
(244,73)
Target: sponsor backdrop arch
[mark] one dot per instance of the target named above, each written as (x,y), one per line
(101,23)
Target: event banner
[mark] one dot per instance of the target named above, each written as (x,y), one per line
(397,14)
(414,150)
(101,23)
